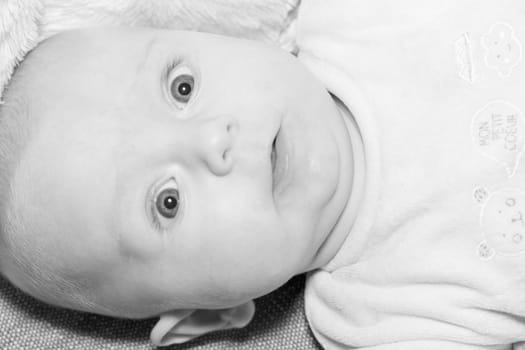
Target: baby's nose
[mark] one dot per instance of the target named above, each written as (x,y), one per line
(216,138)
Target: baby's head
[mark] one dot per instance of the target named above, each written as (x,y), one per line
(147,170)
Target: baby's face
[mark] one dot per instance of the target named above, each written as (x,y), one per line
(179,169)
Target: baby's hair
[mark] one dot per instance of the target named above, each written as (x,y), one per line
(21,261)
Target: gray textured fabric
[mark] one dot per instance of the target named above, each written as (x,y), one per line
(25,323)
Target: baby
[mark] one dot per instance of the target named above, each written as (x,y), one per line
(158,170)
(149,172)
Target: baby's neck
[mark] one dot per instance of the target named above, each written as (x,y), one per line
(344,225)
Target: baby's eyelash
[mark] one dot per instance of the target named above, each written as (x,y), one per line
(156,221)
(154,217)
(152,207)
(169,67)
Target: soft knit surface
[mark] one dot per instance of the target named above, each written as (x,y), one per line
(19,33)
(25,323)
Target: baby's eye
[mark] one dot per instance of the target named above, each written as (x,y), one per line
(164,205)
(167,202)
(182,84)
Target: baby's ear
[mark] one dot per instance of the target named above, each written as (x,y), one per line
(179,326)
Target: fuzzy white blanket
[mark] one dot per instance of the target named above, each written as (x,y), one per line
(24,23)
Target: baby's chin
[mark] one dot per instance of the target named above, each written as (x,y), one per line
(313,175)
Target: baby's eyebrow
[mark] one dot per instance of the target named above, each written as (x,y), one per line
(145,58)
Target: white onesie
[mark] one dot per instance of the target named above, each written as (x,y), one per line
(436,258)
